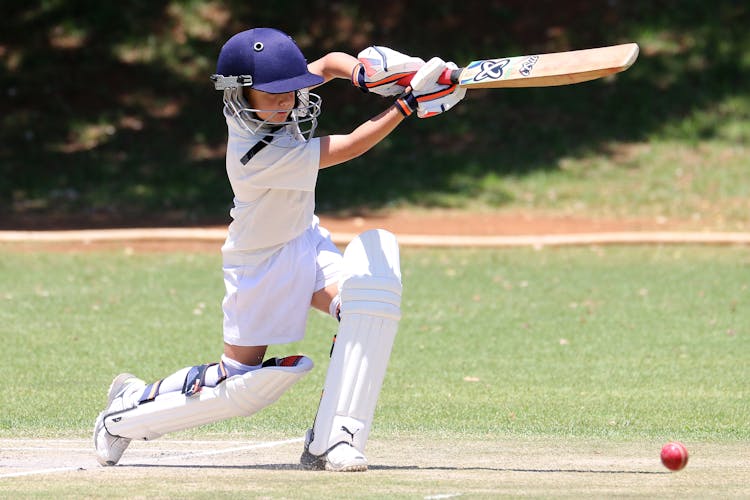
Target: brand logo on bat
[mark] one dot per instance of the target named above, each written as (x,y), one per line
(527,65)
(491,69)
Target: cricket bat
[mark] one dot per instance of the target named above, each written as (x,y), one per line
(541,70)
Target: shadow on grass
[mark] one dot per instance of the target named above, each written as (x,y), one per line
(296,467)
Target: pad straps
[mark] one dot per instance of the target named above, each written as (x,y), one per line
(196,378)
(150,393)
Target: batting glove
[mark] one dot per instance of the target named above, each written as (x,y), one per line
(380,68)
(433,98)
(427,97)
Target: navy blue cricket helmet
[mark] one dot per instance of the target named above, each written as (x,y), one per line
(265,59)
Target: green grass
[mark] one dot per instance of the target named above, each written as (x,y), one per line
(667,183)
(614,342)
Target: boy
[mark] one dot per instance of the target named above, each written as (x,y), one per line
(278,261)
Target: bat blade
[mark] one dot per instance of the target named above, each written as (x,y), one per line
(545,70)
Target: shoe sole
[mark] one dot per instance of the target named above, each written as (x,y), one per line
(311,462)
(347,468)
(308,461)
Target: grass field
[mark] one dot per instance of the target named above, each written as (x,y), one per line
(557,362)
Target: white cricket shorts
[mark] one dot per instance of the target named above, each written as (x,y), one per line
(268,302)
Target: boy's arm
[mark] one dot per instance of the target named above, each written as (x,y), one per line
(427,97)
(334,65)
(335,149)
(376,69)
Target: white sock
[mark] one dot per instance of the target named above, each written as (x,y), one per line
(234,367)
(333,309)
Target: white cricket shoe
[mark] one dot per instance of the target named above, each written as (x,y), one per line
(342,457)
(122,396)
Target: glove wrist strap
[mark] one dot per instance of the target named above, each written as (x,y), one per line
(358,78)
(406,104)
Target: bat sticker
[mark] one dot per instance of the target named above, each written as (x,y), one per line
(491,69)
(528,65)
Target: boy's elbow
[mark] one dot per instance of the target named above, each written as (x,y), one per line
(355,147)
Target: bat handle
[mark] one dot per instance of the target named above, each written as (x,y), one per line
(448,77)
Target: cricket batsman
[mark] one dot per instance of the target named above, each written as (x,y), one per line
(278,261)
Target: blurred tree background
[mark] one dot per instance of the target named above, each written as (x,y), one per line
(108,115)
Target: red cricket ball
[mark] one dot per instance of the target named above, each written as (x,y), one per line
(674,455)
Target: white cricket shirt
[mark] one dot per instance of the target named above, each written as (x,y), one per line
(274,194)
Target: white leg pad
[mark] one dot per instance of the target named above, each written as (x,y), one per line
(241,395)
(370,290)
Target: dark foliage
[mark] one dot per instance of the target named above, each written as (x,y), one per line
(107,110)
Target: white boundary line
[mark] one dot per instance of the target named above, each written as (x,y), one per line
(88,236)
(182,456)
(39,471)
(44,448)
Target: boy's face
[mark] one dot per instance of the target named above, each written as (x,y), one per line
(279,105)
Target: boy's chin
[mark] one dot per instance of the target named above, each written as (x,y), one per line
(278,119)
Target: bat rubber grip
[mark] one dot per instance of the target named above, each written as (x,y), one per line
(450,76)
(447,77)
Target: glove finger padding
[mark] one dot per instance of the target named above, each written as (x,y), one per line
(381,68)
(427,76)
(432,97)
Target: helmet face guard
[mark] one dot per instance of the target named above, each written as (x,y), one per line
(267,60)
(300,122)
